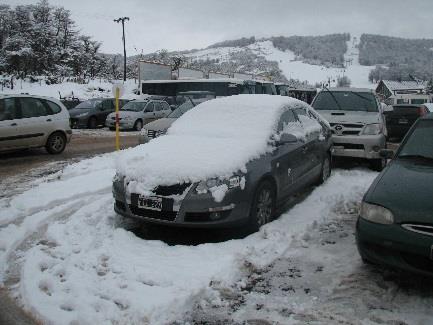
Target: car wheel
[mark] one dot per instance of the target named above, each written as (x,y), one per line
(92,123)
(326,169)
(263,206)
(56,143)
(378,164)
(138,125)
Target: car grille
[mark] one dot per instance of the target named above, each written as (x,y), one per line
(153,134)
(349,146)
(175,189)
(346,128)
(421,229)
(152,214)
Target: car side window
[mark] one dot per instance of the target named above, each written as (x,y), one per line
(165,106)
(8,109)
(158,107)
(300,111)
(32,107)
(286,118)
(149,108)
(54,108)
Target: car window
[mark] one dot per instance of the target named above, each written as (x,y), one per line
(107,105)
(420,141)
(300,111)
(165,106)
(158,106)
(54,108)
(286,118)
(149,108)
(33,107)
(8,110)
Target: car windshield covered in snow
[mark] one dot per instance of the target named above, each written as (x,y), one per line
(420,142)
(182,109)
(134,106)
(91,103)
(345,100)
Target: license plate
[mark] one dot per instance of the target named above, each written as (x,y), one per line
(150,202)
(403,121)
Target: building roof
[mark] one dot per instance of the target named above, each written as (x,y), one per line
(403,85)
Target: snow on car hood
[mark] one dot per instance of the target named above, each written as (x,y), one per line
(215,139)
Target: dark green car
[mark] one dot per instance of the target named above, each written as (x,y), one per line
(395,226)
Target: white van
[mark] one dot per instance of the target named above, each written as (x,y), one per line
(28,121)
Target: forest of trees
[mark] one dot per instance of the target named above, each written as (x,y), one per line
(41,39)
(397,58)
(325,50)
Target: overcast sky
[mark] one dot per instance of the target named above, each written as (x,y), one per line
(187,24)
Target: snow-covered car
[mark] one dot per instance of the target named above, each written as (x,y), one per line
(136,113)
(228,161)
(28,121)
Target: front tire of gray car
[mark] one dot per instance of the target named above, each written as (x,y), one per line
(263,206)
(56,143)
(326,169)
(138,125)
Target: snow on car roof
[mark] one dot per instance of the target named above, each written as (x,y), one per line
(215,139)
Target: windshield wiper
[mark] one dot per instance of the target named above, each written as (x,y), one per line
(333,97)
(363,97)
(416,157)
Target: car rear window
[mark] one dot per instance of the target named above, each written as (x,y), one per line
(347,101)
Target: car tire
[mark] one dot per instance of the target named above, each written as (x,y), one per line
(378,164)
(92,123)
(326,169)
(138,125)
(56,143)
(263,206)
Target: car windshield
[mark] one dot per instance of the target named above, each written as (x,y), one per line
(92,103)
(420,142)
(134,106)
(182,109)
(345,100)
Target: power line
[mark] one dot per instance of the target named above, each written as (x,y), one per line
(118,20)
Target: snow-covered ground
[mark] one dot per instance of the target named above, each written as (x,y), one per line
(64,255)
(295,69)
(95,88)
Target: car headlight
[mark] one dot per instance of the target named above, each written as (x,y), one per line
(372,129)
(82,114)
(232,182)
(376,213)
(143,132)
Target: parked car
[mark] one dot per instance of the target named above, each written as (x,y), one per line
(228,161)
(159,127)
(33,121)
(357,123)
(93,112)
(136,113)
(400,119)
(395,225)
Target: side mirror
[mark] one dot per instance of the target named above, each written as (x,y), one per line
(173,107)
(286,138)
(386,153)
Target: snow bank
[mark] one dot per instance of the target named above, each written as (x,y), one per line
(83,269)
(215,139)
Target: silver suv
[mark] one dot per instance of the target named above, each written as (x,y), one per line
(357,123)
(33,121)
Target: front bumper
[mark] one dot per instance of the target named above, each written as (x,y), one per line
(359,146)
(192,211)
(79,122)
(394,246)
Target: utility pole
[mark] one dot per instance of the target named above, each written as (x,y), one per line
(118,20)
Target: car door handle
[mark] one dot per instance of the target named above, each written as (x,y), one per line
(13,124)
(49,120)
